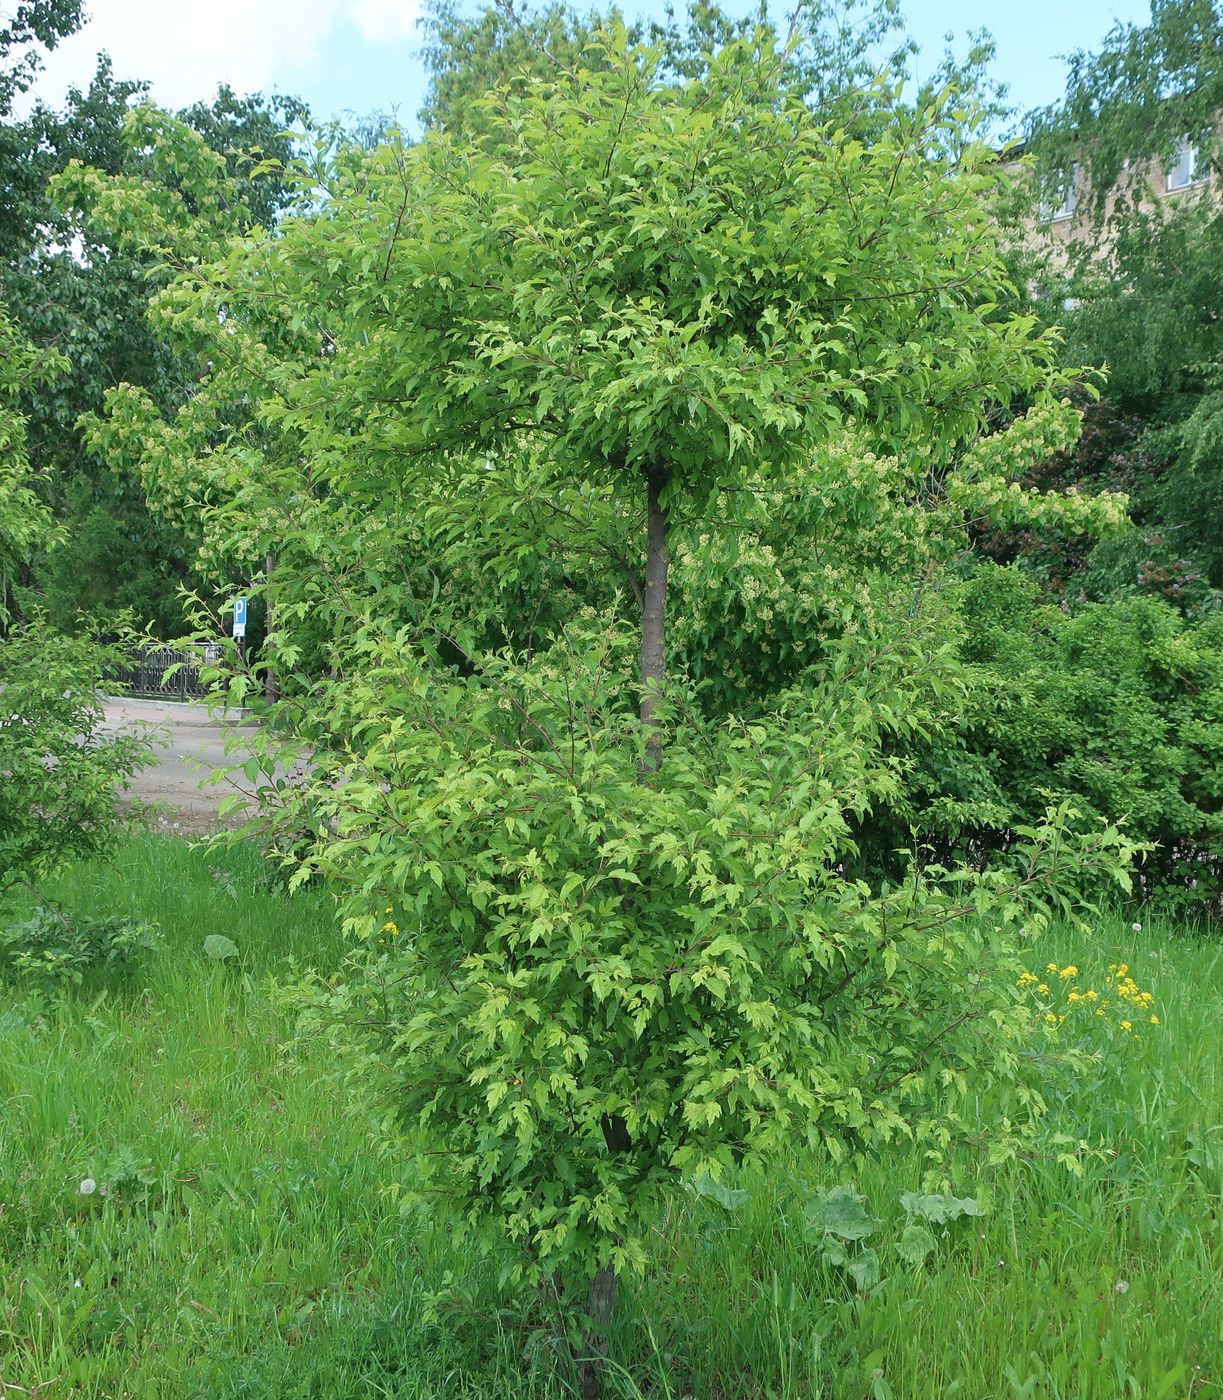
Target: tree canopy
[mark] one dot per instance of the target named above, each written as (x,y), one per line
(1147,88)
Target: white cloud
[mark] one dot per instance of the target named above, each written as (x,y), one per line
(385,21)
(186,47)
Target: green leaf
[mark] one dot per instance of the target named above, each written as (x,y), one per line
(218,947)
(864,1269)
(915,1243)
(841,1212)
(727,1197)
(939,1209)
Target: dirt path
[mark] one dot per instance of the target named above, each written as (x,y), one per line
(189,745)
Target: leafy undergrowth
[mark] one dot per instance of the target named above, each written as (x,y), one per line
(187,1209)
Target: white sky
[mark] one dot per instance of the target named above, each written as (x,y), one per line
(187,47)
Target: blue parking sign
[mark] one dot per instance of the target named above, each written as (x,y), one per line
(239,617)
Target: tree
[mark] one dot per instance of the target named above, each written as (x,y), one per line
(71,289)
(1143,270)
(61,776)
(842,48)
(25,522)
(33,24)
(1148,88)
(1153,318)
(622,947)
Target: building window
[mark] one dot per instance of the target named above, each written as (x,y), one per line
(1060,204)
(1183,171)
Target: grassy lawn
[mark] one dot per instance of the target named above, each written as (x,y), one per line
(247,1244)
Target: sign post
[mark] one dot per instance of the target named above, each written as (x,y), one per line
(240,623)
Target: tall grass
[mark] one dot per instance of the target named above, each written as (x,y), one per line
(247,1244)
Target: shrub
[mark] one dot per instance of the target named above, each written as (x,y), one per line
(51,948)
(61,774)
(1117,707)
(557,959)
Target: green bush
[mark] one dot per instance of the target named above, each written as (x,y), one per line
(62,775)
(1117,706)
(557,959)
(51,948)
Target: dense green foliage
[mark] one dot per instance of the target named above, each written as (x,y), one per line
(1143,269)
(1153,318)
(470,55)
(25,522)
(1117,706)
(48,950)
(242,1240)
(61,774)
(72,290)
(686,954)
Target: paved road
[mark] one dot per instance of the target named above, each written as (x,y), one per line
(190,744)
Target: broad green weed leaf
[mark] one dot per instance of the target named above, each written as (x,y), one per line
(937,1208)
(841,1212)
(915,1243)
(726,1196)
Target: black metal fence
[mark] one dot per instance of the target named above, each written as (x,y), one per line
(151,672)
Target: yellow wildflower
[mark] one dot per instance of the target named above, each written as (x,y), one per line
(392,929)
(1051,1018)
(1043,989)
(1051,967)
(1070,971)
(1091,996)
(1127,1025)
(1155,1020)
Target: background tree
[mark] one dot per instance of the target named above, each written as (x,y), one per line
(1143,270)
(61,775)
(844,44)
(34,25)
(1148,88)
(25,522)
(87,297)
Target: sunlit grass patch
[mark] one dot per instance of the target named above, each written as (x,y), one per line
(239,1238)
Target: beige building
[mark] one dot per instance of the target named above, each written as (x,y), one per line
(1070,215)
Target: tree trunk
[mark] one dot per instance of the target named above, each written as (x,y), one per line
(599,1309)
(654,617)
(604,1285)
